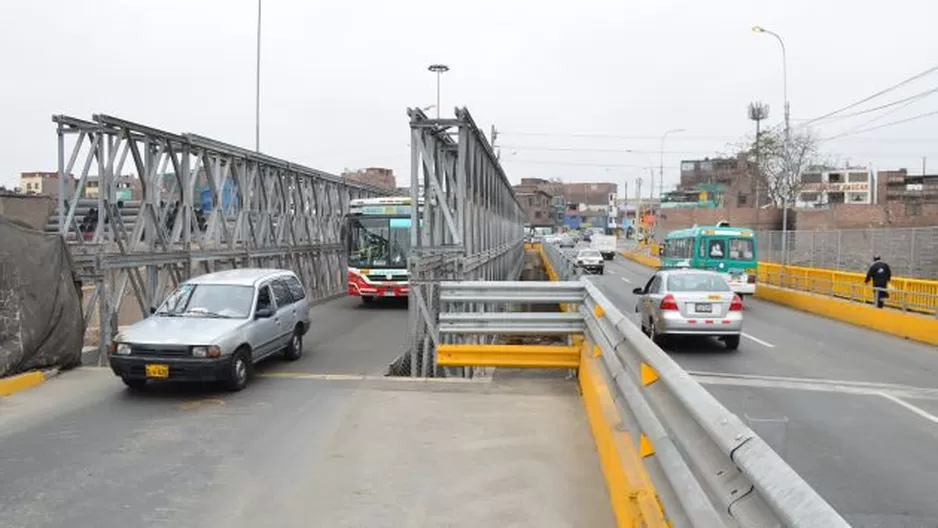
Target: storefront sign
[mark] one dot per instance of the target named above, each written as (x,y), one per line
(836,187)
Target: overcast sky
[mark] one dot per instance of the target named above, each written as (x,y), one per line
(337,76)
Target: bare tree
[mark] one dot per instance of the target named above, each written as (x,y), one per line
(778,165)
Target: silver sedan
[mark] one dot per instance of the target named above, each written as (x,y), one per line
(690,302)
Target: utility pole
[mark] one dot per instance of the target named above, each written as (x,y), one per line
(758,111)
(257,90)
(661,164)
(787,150)
(498,153)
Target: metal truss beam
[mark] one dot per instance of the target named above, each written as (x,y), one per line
(204,206)
(471,226)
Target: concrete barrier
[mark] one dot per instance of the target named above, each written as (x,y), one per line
(910,326)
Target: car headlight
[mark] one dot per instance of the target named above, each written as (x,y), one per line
(123,349)
(206,351)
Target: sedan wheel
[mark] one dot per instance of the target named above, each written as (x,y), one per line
(656,338)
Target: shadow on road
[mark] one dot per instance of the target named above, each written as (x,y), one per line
(384,303)
(687,345)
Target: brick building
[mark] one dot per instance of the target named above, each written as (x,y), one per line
(826,188)
(734,174)
(538,206)
(589,194)
(45,183)
(913,191)
(376,176)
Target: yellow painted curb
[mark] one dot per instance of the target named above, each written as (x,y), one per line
(911,326)
(631,492)
(21,382)
(650,262)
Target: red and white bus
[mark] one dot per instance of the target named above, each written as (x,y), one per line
(378,242)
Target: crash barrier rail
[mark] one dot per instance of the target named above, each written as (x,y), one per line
(704,466)
(908,295)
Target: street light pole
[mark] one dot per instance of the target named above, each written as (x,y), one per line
(439,70)
(787,181)
(661,162)
(257,88)
(759,29)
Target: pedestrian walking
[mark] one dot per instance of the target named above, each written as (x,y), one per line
(880,274)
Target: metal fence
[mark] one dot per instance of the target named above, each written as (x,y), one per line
(910,252)
(707,467)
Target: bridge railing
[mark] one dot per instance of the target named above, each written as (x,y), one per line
(260,211)
(672,453)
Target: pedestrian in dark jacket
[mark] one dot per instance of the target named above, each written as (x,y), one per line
(880,274)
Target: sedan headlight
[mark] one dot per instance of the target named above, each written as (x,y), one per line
(206,351)
(123,349)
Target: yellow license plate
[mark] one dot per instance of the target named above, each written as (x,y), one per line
(157,371)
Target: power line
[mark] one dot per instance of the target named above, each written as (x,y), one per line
(904,102)
(506,161)
(878,118)
(601,150)
(615,136)
(875,95)
(884,125)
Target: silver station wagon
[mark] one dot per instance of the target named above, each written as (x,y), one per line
(215,327)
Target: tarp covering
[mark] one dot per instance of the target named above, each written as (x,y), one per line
(41,324)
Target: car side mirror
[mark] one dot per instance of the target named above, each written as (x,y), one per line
(638,291)
(264,313)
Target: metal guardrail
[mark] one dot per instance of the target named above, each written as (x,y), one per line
(708,468)
(908,295)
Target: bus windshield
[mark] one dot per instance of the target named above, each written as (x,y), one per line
(741,249)
(376,242)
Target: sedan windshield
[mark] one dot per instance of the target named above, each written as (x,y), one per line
(209,300)
(590,253)
(697,282)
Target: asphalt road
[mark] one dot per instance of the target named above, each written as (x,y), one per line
(855,412)
(321,442)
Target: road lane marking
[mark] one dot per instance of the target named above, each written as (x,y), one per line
(757,340)
(365,377)
(611,272)
(917,410)
(814,384)
(626,280)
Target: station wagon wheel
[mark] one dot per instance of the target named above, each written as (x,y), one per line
(239,371)
(294,350)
